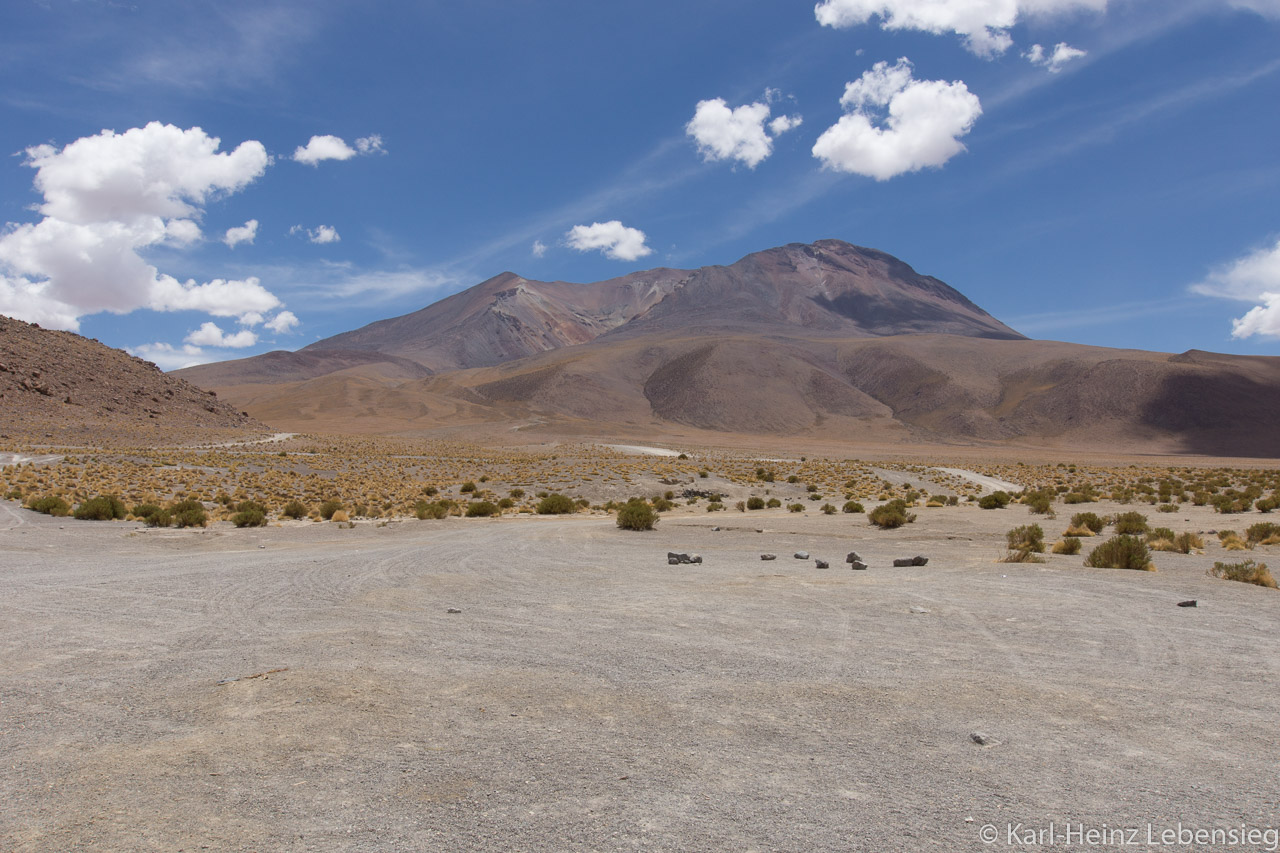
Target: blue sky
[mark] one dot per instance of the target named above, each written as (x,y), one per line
(197,181)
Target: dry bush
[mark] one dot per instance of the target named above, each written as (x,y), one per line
(1246,572)
(1069,545)
(1121,552)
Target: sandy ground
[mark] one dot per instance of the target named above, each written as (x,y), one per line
(589,696)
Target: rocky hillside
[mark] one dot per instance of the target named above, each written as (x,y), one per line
(61,386)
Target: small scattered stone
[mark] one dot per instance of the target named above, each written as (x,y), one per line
(454,610)
(822,564)
(802,555)
(696,558)
(899,563)
(853,557)
(768,556)
(1190,603)
(858,566)
(915,608)
(910,561)
(674,559)
(715,530)
(983,739)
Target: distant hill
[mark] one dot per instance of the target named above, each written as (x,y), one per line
(63,387)
(825,340)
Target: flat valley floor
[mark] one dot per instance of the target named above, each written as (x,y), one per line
(308,688)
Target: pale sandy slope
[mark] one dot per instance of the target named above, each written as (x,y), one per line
(590,697)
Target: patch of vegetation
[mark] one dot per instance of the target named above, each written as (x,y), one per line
(1028,537)
(851,506)
(555,505)
(1121,552)
(1264,533)
(1068,545)
(1086,524)
(755,502)
(189,513)
(432,509)
(101,508)
(1245,572)
(250,514)
(329,507)
(482,509)
(295,509)
(49,505)
(637,514)
(890,515)
(1039,502)
(995,500)
(1131,523)
(796,508)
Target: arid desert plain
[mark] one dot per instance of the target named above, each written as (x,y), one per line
(553,682)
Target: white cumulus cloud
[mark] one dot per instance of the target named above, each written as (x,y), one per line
(739,133)
(330,147)
(211,335)
(107,198)
(282,322)
(984,24)
(169,357)
(1253,278)
(922,125)
(614,239)
(241,234)
(1061,55)
(320,234)
(539,248)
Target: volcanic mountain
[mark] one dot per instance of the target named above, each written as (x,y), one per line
(64,387)
(825,340)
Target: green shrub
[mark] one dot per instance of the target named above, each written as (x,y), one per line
(431,509)
(1040,502)
(663,505)
(773,503)
(249,517)
(482,509)
(636,514)
(1028,537)
(1246,572)
(295,509)
(715,506)
(995,500)
(1131,523)
(189,513)
(145,511)
(1267,504)
(1076,498)
(517,494)
(828,509)
(101,508)
(1121,552)
(555,505)
(506,503)
(50,505)
(1068,545)
(329,507)
(1167,508)
(468,487)
(795,508)
(851,506)
(754,502)
(1090,521)
(1262,532)
(890,515)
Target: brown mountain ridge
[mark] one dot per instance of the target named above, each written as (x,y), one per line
(826,340)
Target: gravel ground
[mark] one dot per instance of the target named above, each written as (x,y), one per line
(589,696)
